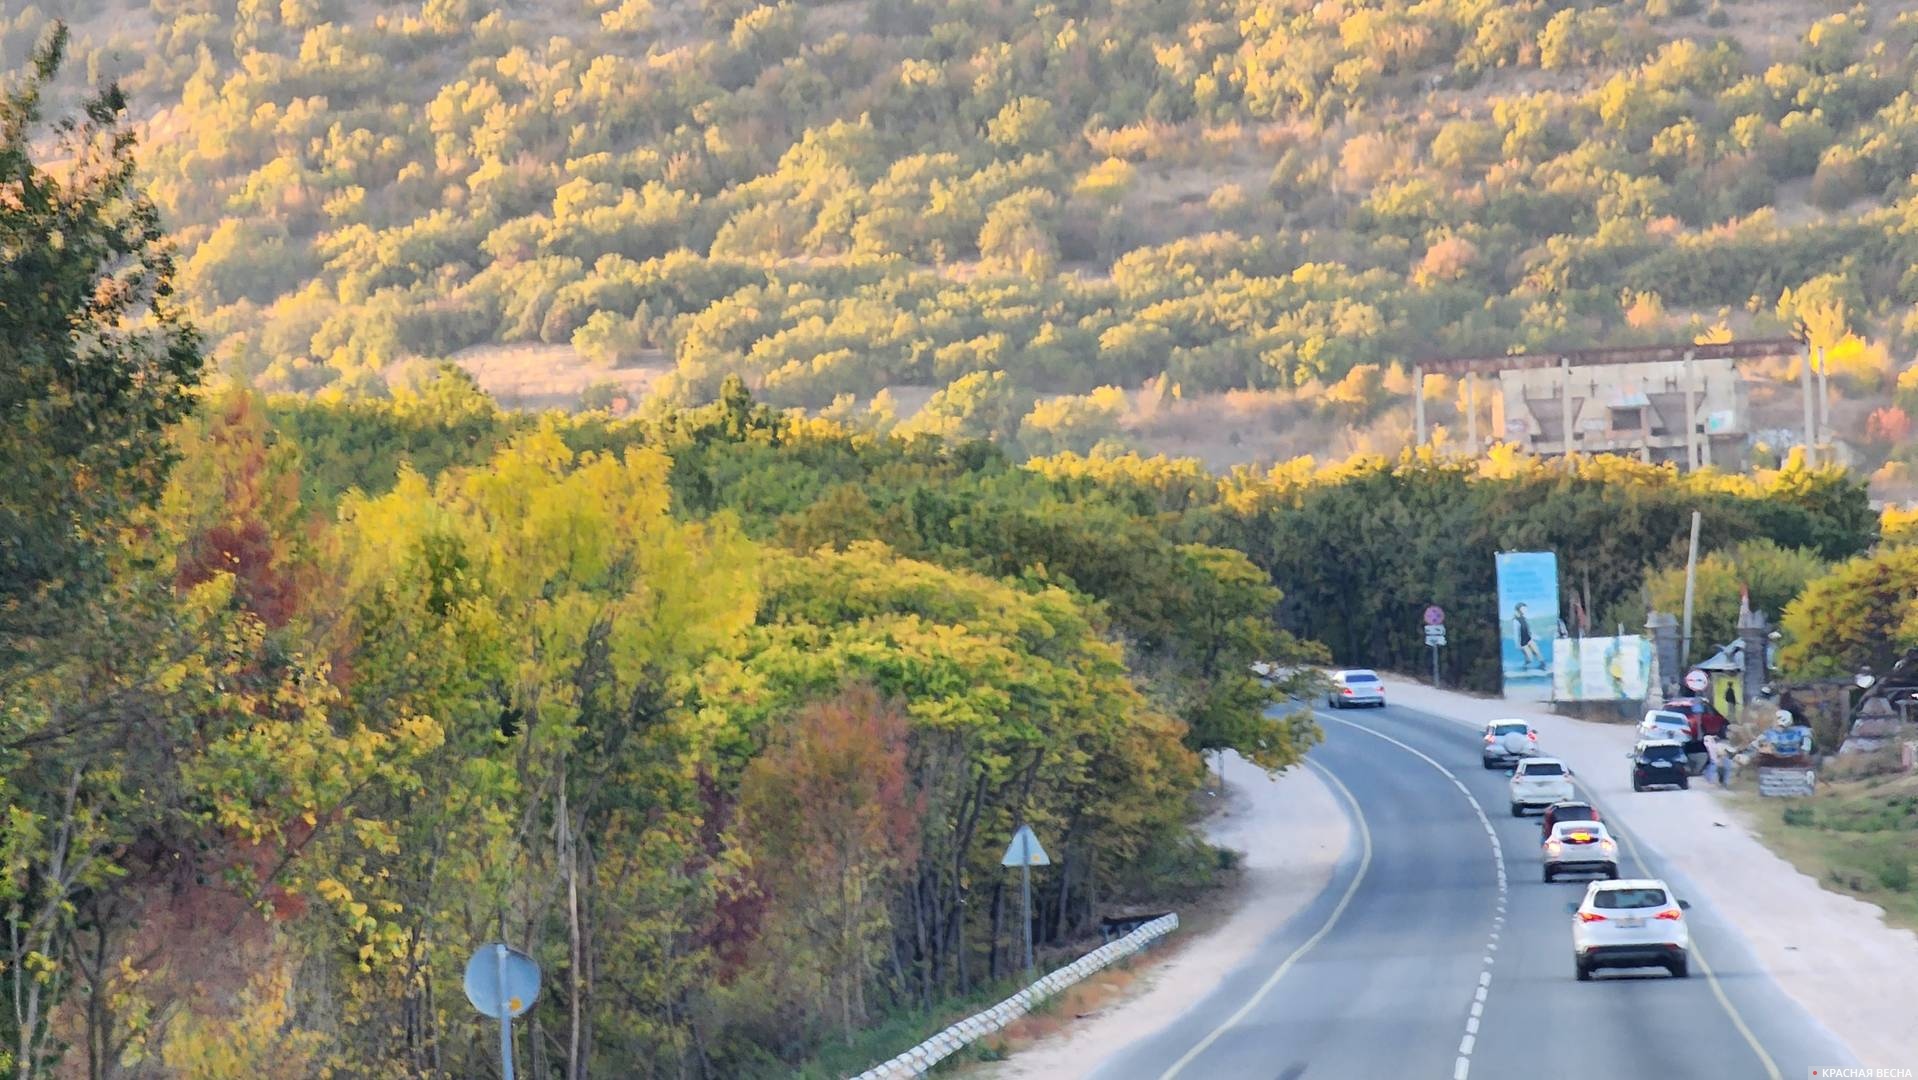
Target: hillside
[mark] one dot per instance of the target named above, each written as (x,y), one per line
(832,198)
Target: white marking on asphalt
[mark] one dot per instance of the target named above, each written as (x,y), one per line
(1738,1021)
(1464,1063)
(1365,863)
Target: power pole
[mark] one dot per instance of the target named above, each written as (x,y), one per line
(1691,576)
(1811,420)
(1418,406)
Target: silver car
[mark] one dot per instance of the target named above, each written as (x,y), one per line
(1356,686)
(1508,742)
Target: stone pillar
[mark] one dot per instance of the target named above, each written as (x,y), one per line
(1754,633)
(1663,630)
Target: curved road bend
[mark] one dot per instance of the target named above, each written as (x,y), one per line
(1385,974)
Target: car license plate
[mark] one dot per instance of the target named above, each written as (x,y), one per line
(1631,922)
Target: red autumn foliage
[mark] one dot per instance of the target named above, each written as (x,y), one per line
(1890,424)
(832,824)
(243,536)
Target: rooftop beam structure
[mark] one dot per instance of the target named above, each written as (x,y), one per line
(1752,349)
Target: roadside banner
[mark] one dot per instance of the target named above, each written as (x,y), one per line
(1528,622)
(1601,669)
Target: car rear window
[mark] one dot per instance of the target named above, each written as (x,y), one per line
(1543,768)
(1610,899)
(1360,676)
(1574,813)
(1664,753)
(1508,729)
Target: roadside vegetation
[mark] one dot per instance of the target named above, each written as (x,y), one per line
(1855,836)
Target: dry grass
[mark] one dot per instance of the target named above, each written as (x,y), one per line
(552,376)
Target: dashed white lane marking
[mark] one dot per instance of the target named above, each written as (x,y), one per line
(1365,863)
(1463,1066)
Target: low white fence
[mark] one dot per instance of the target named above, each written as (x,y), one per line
(920,1059)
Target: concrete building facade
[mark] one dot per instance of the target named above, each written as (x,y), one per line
(1643,409)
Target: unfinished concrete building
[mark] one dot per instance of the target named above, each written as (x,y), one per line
(1664,403)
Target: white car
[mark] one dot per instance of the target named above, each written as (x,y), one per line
(1628,924)
(1665,724)
(1507,741)
(1538,783)
(1580,847)
(1359,686)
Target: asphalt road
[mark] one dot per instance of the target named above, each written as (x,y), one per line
(1437,951)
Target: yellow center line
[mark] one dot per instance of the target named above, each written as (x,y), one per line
(1718,991)
(1365,862)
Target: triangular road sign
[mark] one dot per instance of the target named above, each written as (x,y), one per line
(1025,850)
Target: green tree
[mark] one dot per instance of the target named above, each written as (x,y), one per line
(95,358)
(1865,612)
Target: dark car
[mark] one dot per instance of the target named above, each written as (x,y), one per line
(1659,764)
(1705,721)
(1567,811)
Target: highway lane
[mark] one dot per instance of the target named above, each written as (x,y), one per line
(1728,1020)
(1415,962)
(1396,945)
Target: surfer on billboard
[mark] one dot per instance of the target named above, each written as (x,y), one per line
(1527,645)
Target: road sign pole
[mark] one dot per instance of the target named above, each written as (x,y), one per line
(505,1016)
(1025,896)
(1435,681)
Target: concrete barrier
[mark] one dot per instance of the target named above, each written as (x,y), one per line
(920,1059)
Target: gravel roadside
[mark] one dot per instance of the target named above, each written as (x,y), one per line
(1831,953)
(1291,832)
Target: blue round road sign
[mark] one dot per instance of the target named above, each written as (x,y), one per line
(501,981)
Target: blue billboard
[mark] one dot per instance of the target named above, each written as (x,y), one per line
(1528,622)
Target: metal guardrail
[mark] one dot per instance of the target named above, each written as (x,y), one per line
(920,1059)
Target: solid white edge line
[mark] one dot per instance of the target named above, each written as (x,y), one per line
(1365,863)
(1738,1020)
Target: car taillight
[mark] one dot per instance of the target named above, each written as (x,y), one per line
(1669,915)
(1488,738)
(1345,689)
(1532,735)
(1591,916)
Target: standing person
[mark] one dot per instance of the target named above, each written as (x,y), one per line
(1522,631)
(1720,757)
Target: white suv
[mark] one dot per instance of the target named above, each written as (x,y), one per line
(1540,782)
(1628,924)
(1580,846)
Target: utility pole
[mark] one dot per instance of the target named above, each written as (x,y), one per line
(1824,405)
(1811,420)
(1691,576)
(1471,419)
(1418,406)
